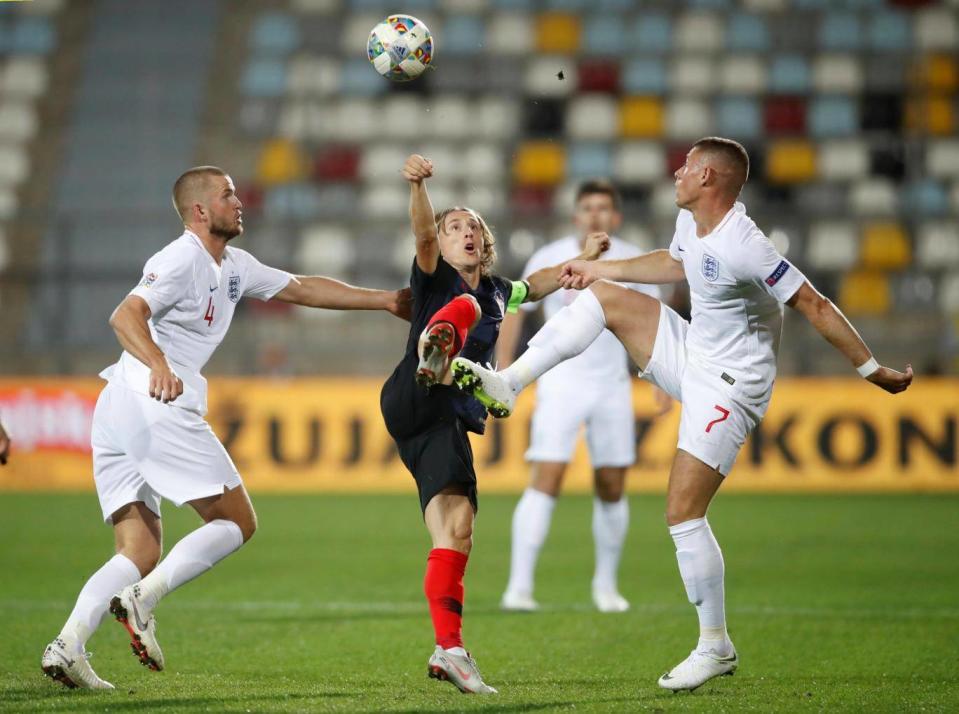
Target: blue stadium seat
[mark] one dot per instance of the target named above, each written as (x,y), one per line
(264,78)
(274,33)
(613,5)
(832,116)
(605,35)
(789,74)
(32,35)
(739,118)
(840,31)
(709,4)
(357,78)
(566,5)
(589,159)
(926,197)
(747,31)
(644,76)
(513,4)
(463,35)
(889,31)
(652,33)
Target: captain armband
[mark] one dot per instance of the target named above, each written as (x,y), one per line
(518,295)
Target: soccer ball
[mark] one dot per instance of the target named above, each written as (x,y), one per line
(400,48)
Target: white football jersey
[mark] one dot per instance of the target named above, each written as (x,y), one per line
(738,283)
(192,300)
(606,358)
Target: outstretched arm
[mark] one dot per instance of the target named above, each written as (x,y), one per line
(129,322)
(655,267)
(318,291)
(833,325)
(422,218)
(549,280)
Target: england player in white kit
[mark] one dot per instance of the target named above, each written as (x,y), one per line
(721,365)
(149,438)
(593,389)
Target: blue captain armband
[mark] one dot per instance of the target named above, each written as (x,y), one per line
(518,295)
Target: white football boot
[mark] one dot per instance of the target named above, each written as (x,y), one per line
(68,665)
(609,601)
(699,668)
(128,609)
(459,671)
(518,602)
(489,387)
(434,348)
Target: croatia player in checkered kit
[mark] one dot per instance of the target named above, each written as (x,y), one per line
(720,366)
(150,440)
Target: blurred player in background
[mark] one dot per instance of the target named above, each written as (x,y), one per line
(458,305)
(592,389)
(4,445)
(150,440)
(721,366)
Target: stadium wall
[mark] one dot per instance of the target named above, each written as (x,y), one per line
(326,434)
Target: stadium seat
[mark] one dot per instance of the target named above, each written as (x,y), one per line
(489,199)
(833,116)
(832,245)
(539,163)
(401,106)
(937,28)
(338,200)
(296,201)
(789,74)
(914,292)
(765,5)
(446,157)
(514,4)
(605,35)
(931,115)
(308,7)
(450,116)
(510,34)
(592,116)
(274,33)
(357,120)
(865,293)
(23,77)
(884,246)
(937,73)
(663,201)
(821,198)
(565,5)
(790,161)
(264,77)
(738,118)
(380,162)
(874,197)
(652,33)
(926,197)
(531,200)
(454,7)
(45,8)
(949,294)
(557,32)
(32,36)
(589,159)
(742,74)
(838,73)
(542,76)
(463,35)
(356,79)
(641,117)
(356,31)
(842,160)
(885,73)
(889,31)
(9,203)
(280,162)
(840,31)
(692,75)
(747,31)
(337,163)
(784,116)
(699,32)
(484,162)
(688,119)
(308,74)
(14,165)
(386,200)
(942,158)
(325,249)
(597,75)
(882,111)
(297,120)
(644,76)
(496,118)
(937,245)
(18,121)
(639,162)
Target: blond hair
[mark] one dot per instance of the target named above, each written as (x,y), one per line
(489,240)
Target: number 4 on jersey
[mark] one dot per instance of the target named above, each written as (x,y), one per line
(209,313)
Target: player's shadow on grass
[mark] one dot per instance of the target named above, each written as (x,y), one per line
(85,700)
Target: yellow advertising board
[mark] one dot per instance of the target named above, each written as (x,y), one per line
(326,434)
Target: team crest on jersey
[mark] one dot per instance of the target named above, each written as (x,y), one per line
(148,280)
(710,267)
(233,288)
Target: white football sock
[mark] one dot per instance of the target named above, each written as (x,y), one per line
(610,523)
(93,602)
(196,553)
(701,567)
(531,521)
(565,335)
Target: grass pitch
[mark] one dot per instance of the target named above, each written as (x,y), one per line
(834,602)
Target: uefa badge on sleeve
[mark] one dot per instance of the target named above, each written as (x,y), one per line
(233,288)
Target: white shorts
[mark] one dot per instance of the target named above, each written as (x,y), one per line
(715,420)
(144,450)
(607,412)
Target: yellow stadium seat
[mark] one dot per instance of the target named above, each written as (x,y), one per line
(938,73)
(557,32)
(280,162)
(539,163)
(885,247)
(865,292)
(641,117)
(791,161)
(930,115)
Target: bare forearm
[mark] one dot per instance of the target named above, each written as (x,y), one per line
(837,331)
(133,334)
(319,291)
(656,267)
(421,213)
(506,343)
(547,280)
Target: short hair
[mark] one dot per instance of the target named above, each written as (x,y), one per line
(489,240)
(600,186)
(732,152)
(192,182)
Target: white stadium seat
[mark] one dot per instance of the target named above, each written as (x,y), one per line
(837,73)
(592,116)
(937,29)
(938,245)
(18,121)
(510,34)
(942,158)
(496,118)
(639,162)
(874,197)
(843,160)
(387,200)
(14,165)
(308,74)
(359,120)
(699,32)
(450,117)
(833,245)
(540,79)
(742,74)
(382,162)
(485,162)
(24,76)
(688,119)
(325,249)
(693,75)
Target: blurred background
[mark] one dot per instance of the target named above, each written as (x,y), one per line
(847,107)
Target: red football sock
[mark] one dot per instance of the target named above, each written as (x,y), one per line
(444,590)
(460,312)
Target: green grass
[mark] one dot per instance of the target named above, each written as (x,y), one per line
(834,602)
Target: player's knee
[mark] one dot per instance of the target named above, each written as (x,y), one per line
(478,311)
(608,490)
(144,556)
(247,525)
(677,513)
